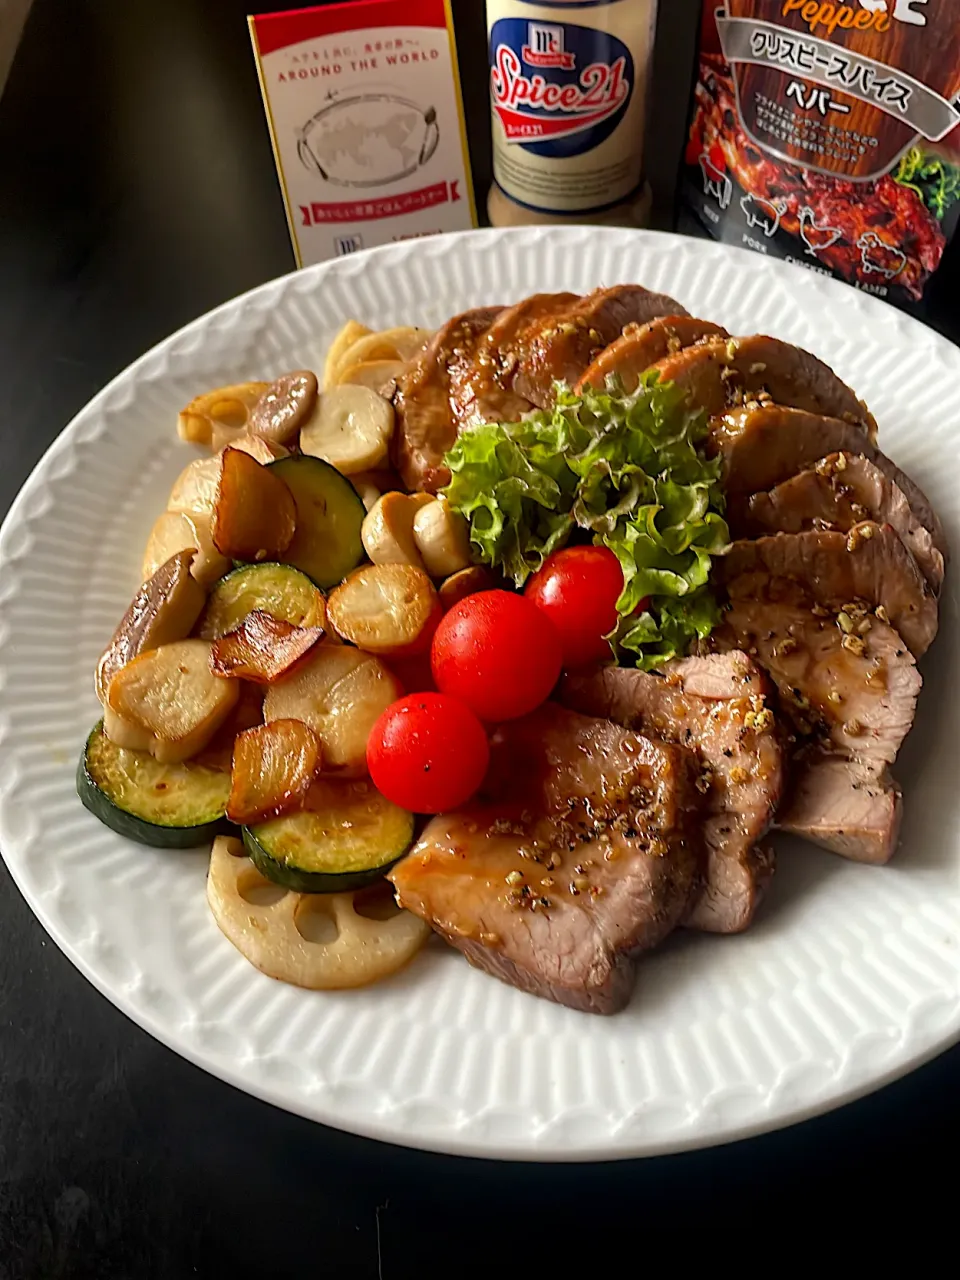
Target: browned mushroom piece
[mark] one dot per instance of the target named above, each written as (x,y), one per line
(163,610)
(284,407)
(255,516)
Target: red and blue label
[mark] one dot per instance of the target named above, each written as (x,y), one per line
(559,89)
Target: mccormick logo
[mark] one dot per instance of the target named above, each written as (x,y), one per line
(545,47)
(556,110)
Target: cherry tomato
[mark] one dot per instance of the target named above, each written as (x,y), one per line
(498,653)
(427,753)
(577,589)
(413,672)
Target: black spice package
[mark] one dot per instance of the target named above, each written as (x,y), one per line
(827,134)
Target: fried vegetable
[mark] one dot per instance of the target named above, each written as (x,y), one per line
(288,938)
(176,531)
(345,339)
(369,494)
(284,407)
(386,608)
(375,374)
(466,583)
(164,609)
(278,589)
(255,515)
(273,767)
(387,531)
(246,714)
(339,691)
(262,648)
(167,701)
(195,489)
(345,836)
(350,428)
(326,545)
(401,344)
(168,806)
(226,407)
(442,536)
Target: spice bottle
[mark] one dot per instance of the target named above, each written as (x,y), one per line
(568,90)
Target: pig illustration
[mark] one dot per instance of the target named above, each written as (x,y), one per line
(761,213)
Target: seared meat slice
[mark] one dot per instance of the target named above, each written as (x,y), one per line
(851,695)
(839,492)
(844,806)
(762,447)
(722,375)
(560,346)
(425,427)
(715,706)
(641,346)
(481,389)
(869,563)
(580,851)
(857,692)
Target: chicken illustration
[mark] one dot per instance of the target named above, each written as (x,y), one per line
(814,236)
(879,257)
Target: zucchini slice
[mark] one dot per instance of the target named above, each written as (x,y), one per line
(349,836)
(169,806)
(326,545)
(278,589)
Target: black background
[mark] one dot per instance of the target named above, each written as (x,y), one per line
(137,190)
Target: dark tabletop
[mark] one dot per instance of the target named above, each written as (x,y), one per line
(137,190)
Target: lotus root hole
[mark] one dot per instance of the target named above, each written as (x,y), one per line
(376,903)
(231,413)
(314,920)
(258,891)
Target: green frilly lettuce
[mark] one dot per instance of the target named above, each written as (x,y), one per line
(625,469)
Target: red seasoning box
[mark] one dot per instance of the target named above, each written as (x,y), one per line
(365,112)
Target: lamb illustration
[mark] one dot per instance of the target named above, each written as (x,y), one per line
(876,255)
(814,236)
(715,182)
(763,213)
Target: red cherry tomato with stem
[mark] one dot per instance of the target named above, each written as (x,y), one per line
(428,753)
(498,653)
(578,588)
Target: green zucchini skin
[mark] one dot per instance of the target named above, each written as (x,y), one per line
(280,589)
(387,846)
(95,795)
(326,545)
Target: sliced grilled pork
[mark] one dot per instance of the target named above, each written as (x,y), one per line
(481,389)
(722,375)
(581,850)
(764,446)
(425,427)
(838,493)
(638,348)
(868,563)
(716,706)
(843,805)
(855,691)
(846,680)
(560,346)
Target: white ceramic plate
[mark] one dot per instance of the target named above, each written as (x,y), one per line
(850,977)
